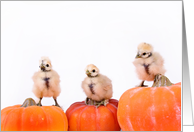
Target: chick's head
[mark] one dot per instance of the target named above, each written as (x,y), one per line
(45,64)
(92,70)
(144,50)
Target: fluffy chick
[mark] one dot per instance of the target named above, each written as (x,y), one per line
(46,81)
(148,63)
(96,86)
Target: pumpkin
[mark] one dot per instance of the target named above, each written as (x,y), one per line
(155,108)
(82,117)
(29,117)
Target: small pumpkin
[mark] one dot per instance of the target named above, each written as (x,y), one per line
(155,108)
(82,117)
(29,117)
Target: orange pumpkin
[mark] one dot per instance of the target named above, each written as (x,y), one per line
(82,117)
(151,109)
(35,118)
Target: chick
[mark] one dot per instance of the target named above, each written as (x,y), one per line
(96,86)
(46,81)
(148,63)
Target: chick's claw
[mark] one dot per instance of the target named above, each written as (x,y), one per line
(87,101)
(142,84)
(57,105)
(103,102)
(39,104)
(106,101)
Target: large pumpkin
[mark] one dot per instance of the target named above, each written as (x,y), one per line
(35,118)
(82,117)
(152,108)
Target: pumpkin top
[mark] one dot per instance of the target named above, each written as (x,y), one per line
(28,102)
(161,80)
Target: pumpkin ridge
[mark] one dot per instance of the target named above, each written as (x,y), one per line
(152,108)
(21,125)
(112,105)
(171,92)
(79,119)
(22,111)
(47,122)
(112,114)
(153,118)
(178,114)
(96,116)
(64,117)
(22,118)
(65,120)
(130,125)
(13,109)
(5,122)
(3,111)
(22,114)
(69,111)
(153,115)
(69,114)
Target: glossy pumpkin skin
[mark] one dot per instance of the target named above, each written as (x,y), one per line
(82,117)
(33,118)
(150,109)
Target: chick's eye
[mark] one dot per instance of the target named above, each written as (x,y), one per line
(93,70)
(144,53)
(47,65)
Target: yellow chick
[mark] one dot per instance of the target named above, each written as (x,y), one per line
(96,86)
(148,63)
(46,81)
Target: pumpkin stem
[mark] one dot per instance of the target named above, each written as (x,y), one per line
(28,102)
(161,80)
(97,103)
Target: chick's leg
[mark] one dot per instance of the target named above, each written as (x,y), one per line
(142,84)
(56,103)
(39,103)
(106,101)
(103,102)
(87,100)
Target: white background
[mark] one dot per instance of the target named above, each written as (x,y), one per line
(75,34)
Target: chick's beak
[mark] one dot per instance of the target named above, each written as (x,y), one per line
(42,67)
(88,73)
(138,56)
